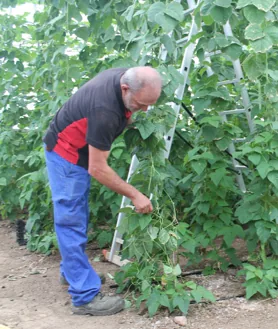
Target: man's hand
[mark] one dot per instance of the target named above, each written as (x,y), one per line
(142,204)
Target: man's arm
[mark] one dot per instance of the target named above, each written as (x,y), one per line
(100,170)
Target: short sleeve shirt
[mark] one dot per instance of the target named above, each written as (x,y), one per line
(95,115)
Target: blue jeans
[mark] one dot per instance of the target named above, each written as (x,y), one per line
(70,186)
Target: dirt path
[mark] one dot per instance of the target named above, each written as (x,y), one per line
(31,297)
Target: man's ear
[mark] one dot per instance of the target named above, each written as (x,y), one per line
(124,88)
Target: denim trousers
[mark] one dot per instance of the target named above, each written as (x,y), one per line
(70,186)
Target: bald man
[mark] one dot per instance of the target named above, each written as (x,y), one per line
(77,145)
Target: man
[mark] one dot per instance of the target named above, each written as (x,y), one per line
(77,145)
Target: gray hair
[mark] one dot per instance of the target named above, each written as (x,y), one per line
(142,76)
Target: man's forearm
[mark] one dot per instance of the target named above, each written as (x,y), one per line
(108,177)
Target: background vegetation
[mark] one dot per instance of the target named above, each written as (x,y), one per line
(45,55)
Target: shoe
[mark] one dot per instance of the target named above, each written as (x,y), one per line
(64,282)
(100,305)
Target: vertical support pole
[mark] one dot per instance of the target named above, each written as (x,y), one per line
(125,201)
(239,75)
(184,70)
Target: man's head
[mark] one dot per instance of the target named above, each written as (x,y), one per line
(141,87)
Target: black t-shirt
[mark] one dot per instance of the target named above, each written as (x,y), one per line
(94,115)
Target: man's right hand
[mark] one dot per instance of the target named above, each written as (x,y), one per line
(142,204)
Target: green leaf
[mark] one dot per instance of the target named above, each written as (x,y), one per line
(163,236)
(155,8)
(199,166)
(230,233)
(255,158)
(164,300)
(212,120)
(146,128)
(153,302)
(20,66)
(262,45)
(263,169)
(73,12)
(251,290)
(209,133)
(145,220)
(197,295)
(166,22)
(128,14)
(273,178)
(126,210)
(190,245)
(272,32)
(221,40)
(3,181)
(220,14)
(82,32)
(253,14)
(217,175)
(234,51)
(167,269)
(31,222)
(264,5)
(223,143)
(204,207)
(109,34)
(250,275)
(74,72)
(153,232)
(133,223)
(135,49)
(223,3)
(182,303)
(177,270)
(209,296)
(254,65)
(254,32)
(274,243)
(200,104)
(104,238)
(263,232)
(185,179)
(168,43)
(172,243)
(273,164)
(208,20)
(274,76)
(176,76)
(175,10)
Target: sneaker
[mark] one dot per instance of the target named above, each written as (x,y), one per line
(64,282)
(100,305)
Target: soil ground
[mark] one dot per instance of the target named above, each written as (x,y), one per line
(31,297)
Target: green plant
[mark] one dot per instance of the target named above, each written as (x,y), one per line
(262,280)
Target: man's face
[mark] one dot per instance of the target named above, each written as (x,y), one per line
(140,100)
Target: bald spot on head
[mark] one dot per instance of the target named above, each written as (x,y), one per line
(142,77)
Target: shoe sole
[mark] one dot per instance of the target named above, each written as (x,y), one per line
(83,311)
